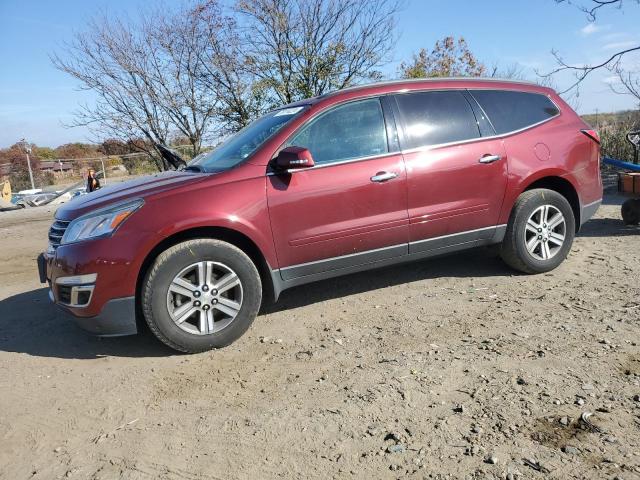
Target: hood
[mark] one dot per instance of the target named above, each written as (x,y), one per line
(138,188)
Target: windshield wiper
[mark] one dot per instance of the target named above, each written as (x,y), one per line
(170,156)
(193,168)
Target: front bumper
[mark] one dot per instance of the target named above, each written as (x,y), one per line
(112,317)
(117,318)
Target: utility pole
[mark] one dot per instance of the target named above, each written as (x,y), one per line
(104,172)
(27,151)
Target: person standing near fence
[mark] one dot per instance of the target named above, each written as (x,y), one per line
(92,182)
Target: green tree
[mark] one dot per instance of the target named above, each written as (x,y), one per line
(45,153)
(113,146)
(76,150)
(448,58)
(16,157)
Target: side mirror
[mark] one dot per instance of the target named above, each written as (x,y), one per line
(293,158)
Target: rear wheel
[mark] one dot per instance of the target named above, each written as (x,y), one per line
(540,232)
(201,294)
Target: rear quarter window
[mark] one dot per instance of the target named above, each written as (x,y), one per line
(510,110)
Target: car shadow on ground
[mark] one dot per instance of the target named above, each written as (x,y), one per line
(30,324)
(479,262)
(475,263)
(607,227)
(610,227)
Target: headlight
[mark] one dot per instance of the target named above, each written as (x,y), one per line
(99,223)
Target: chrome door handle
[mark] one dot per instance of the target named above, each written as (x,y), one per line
(384,176)
(490,158)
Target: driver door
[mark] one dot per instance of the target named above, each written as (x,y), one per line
(351,207)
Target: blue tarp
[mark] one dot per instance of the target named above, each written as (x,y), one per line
(620,164)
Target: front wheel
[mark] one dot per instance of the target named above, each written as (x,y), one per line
(201,294)
(540,232)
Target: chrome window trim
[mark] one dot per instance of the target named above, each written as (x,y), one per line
(471,90)
(332,164)
(426,147)
(472,140)
(418,149)
(481,138)
(327,110)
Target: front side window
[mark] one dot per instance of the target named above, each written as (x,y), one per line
(433,118)
(510,110)
(349,131)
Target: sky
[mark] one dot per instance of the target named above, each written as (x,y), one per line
(37,101)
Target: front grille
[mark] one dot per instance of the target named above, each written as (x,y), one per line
(64,294)
(56,232)
(77,296)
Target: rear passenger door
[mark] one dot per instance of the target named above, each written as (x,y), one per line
(456,171)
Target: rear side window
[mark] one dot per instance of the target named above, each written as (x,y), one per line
(432,118)
(348,131)
(510,110)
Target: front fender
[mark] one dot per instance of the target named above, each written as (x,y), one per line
(243,210)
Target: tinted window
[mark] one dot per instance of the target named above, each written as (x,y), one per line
(345,132)
(484,125)
(431,118)
(509,110)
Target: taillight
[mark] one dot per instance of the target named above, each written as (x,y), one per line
(592,134)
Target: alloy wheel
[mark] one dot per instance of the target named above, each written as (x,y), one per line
(204,297)
(545,232)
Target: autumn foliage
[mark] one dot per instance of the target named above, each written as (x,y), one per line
(448,58)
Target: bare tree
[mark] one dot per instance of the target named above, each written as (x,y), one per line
(180,47)
(628,83)
(613,63)
(512,71)
(302,48)
(108,59)
(591,7)
(147,77)
(195,70)
(240,96)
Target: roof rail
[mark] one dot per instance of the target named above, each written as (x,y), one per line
(409,81)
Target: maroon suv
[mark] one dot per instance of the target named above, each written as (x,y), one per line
(361,178)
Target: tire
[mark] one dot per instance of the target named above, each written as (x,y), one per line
(174,287)
(523,247)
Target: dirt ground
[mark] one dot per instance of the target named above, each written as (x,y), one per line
(455,367)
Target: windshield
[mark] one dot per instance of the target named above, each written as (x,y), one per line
(237,148)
